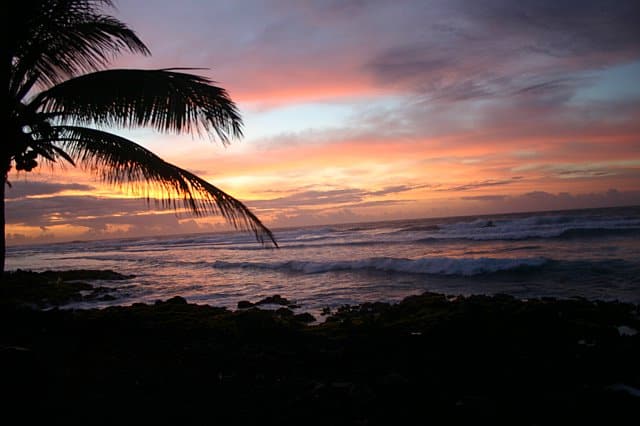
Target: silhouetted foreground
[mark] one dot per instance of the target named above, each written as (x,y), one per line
(427,360)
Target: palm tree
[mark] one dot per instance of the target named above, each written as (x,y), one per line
(62,97)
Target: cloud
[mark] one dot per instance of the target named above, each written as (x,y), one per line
(311,198)
(563,28)
(620,169)
(482,184)
(91,217)
(306,218)
(583,173)
(503,48)
(351,197)
(456,66)
(378,203)
(490,198)
(121,217)
(71,209)
(398,189)
(291,51)
(22,189)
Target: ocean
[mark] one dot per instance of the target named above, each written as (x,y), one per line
(593,254)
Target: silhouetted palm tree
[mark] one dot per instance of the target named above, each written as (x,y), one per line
(61,96)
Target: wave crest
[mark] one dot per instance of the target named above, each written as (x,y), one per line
(430,266)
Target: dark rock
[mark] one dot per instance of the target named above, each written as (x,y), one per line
(100,294)
(284,312)
(393,379)
(52,288)
(245,304)
(494,359)
(176,300)
(274,300)
(305,317)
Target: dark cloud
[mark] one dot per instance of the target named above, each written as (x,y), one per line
(357,197)
(408,62)
(397,189)
(102,218)
(545,87)
(482,184)
(352,197)
(99,214)
(563,28)
(501,48)
(136,217)
(60,210)
(378,203)
(584,173)
(621,169)
(345,8)
(447,49)
(21,189)
(311,198)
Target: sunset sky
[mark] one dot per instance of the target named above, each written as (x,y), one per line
(376,110)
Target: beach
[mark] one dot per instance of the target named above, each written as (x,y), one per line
(430,359)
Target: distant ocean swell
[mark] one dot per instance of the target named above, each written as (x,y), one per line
(292,243)
(521,235)
(521,229)
(287,243)
(512,231)
(434,237)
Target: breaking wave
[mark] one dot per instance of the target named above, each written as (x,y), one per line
(431,265)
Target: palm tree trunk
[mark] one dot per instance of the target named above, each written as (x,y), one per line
(3,244)
(4,172)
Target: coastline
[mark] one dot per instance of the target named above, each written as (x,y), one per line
(443,359)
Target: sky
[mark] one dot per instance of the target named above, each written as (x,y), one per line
(360,110)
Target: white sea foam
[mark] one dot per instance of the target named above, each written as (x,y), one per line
(431,265)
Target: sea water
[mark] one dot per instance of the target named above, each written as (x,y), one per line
(593,254)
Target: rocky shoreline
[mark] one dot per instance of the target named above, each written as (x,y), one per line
(430,359)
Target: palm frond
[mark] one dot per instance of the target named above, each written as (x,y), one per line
(66,38)
(119,161)
(165,99)
(49,152)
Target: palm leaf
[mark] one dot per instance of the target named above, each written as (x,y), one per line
(66,38)
(120,161)
(165,99)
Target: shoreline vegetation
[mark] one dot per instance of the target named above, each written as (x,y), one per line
(429,359)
